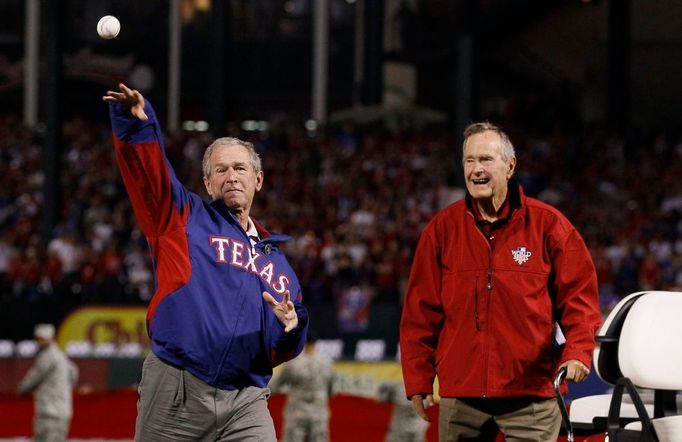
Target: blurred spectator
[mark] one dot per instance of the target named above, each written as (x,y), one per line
(7,253)
(353,309)
(26,274)
(362,196)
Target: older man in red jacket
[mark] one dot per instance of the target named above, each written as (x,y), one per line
(496,277)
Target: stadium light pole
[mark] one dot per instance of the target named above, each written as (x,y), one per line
(221,35)
(464,68)
(359,52)
(617,79)
(320,60)
(174,60)
(373,62)
(31,54)
(54,14)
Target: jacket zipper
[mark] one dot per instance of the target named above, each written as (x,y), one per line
(478,323)
(489,288)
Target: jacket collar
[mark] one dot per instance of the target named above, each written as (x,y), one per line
(514,197)
(263,233)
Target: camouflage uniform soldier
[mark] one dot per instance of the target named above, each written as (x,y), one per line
(406,425)
(308,380)
(51,379)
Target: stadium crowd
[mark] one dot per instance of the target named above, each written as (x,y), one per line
(363,196)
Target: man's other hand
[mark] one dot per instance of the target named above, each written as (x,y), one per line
(285,311)
(421,403)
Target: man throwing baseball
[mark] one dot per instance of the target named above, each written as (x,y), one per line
(227,306)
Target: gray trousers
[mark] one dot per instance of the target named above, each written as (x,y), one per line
(520,419)
(176,406)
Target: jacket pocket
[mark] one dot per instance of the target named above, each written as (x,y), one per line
(460,299)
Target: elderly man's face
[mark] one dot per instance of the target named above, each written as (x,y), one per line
(485,172)
(233,178)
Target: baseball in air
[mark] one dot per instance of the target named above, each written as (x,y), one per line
(108,27)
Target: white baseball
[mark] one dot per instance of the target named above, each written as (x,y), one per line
(108,27)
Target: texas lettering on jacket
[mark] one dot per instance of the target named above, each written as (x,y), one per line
(238,254)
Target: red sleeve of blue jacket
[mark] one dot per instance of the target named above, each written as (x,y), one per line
(148,178)
(159,201)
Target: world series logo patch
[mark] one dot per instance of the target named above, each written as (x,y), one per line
(521,255)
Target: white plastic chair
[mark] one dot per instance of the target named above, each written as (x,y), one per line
(650,357)
(639,350)
(590,412)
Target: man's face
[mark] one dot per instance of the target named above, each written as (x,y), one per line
(485,172)
(233,178)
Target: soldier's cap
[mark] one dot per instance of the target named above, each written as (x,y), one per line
(45,331)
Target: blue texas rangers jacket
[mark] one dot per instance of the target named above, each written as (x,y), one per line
(207,314)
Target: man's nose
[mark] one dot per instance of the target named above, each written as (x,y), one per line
(231,175)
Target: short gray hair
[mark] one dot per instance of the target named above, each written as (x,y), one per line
(506,148)
(229,141)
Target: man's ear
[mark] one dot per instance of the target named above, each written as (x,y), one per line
(512,167)
(207,183)
(259,180)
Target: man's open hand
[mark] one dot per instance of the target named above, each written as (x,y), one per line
(130,98)
(285,311)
